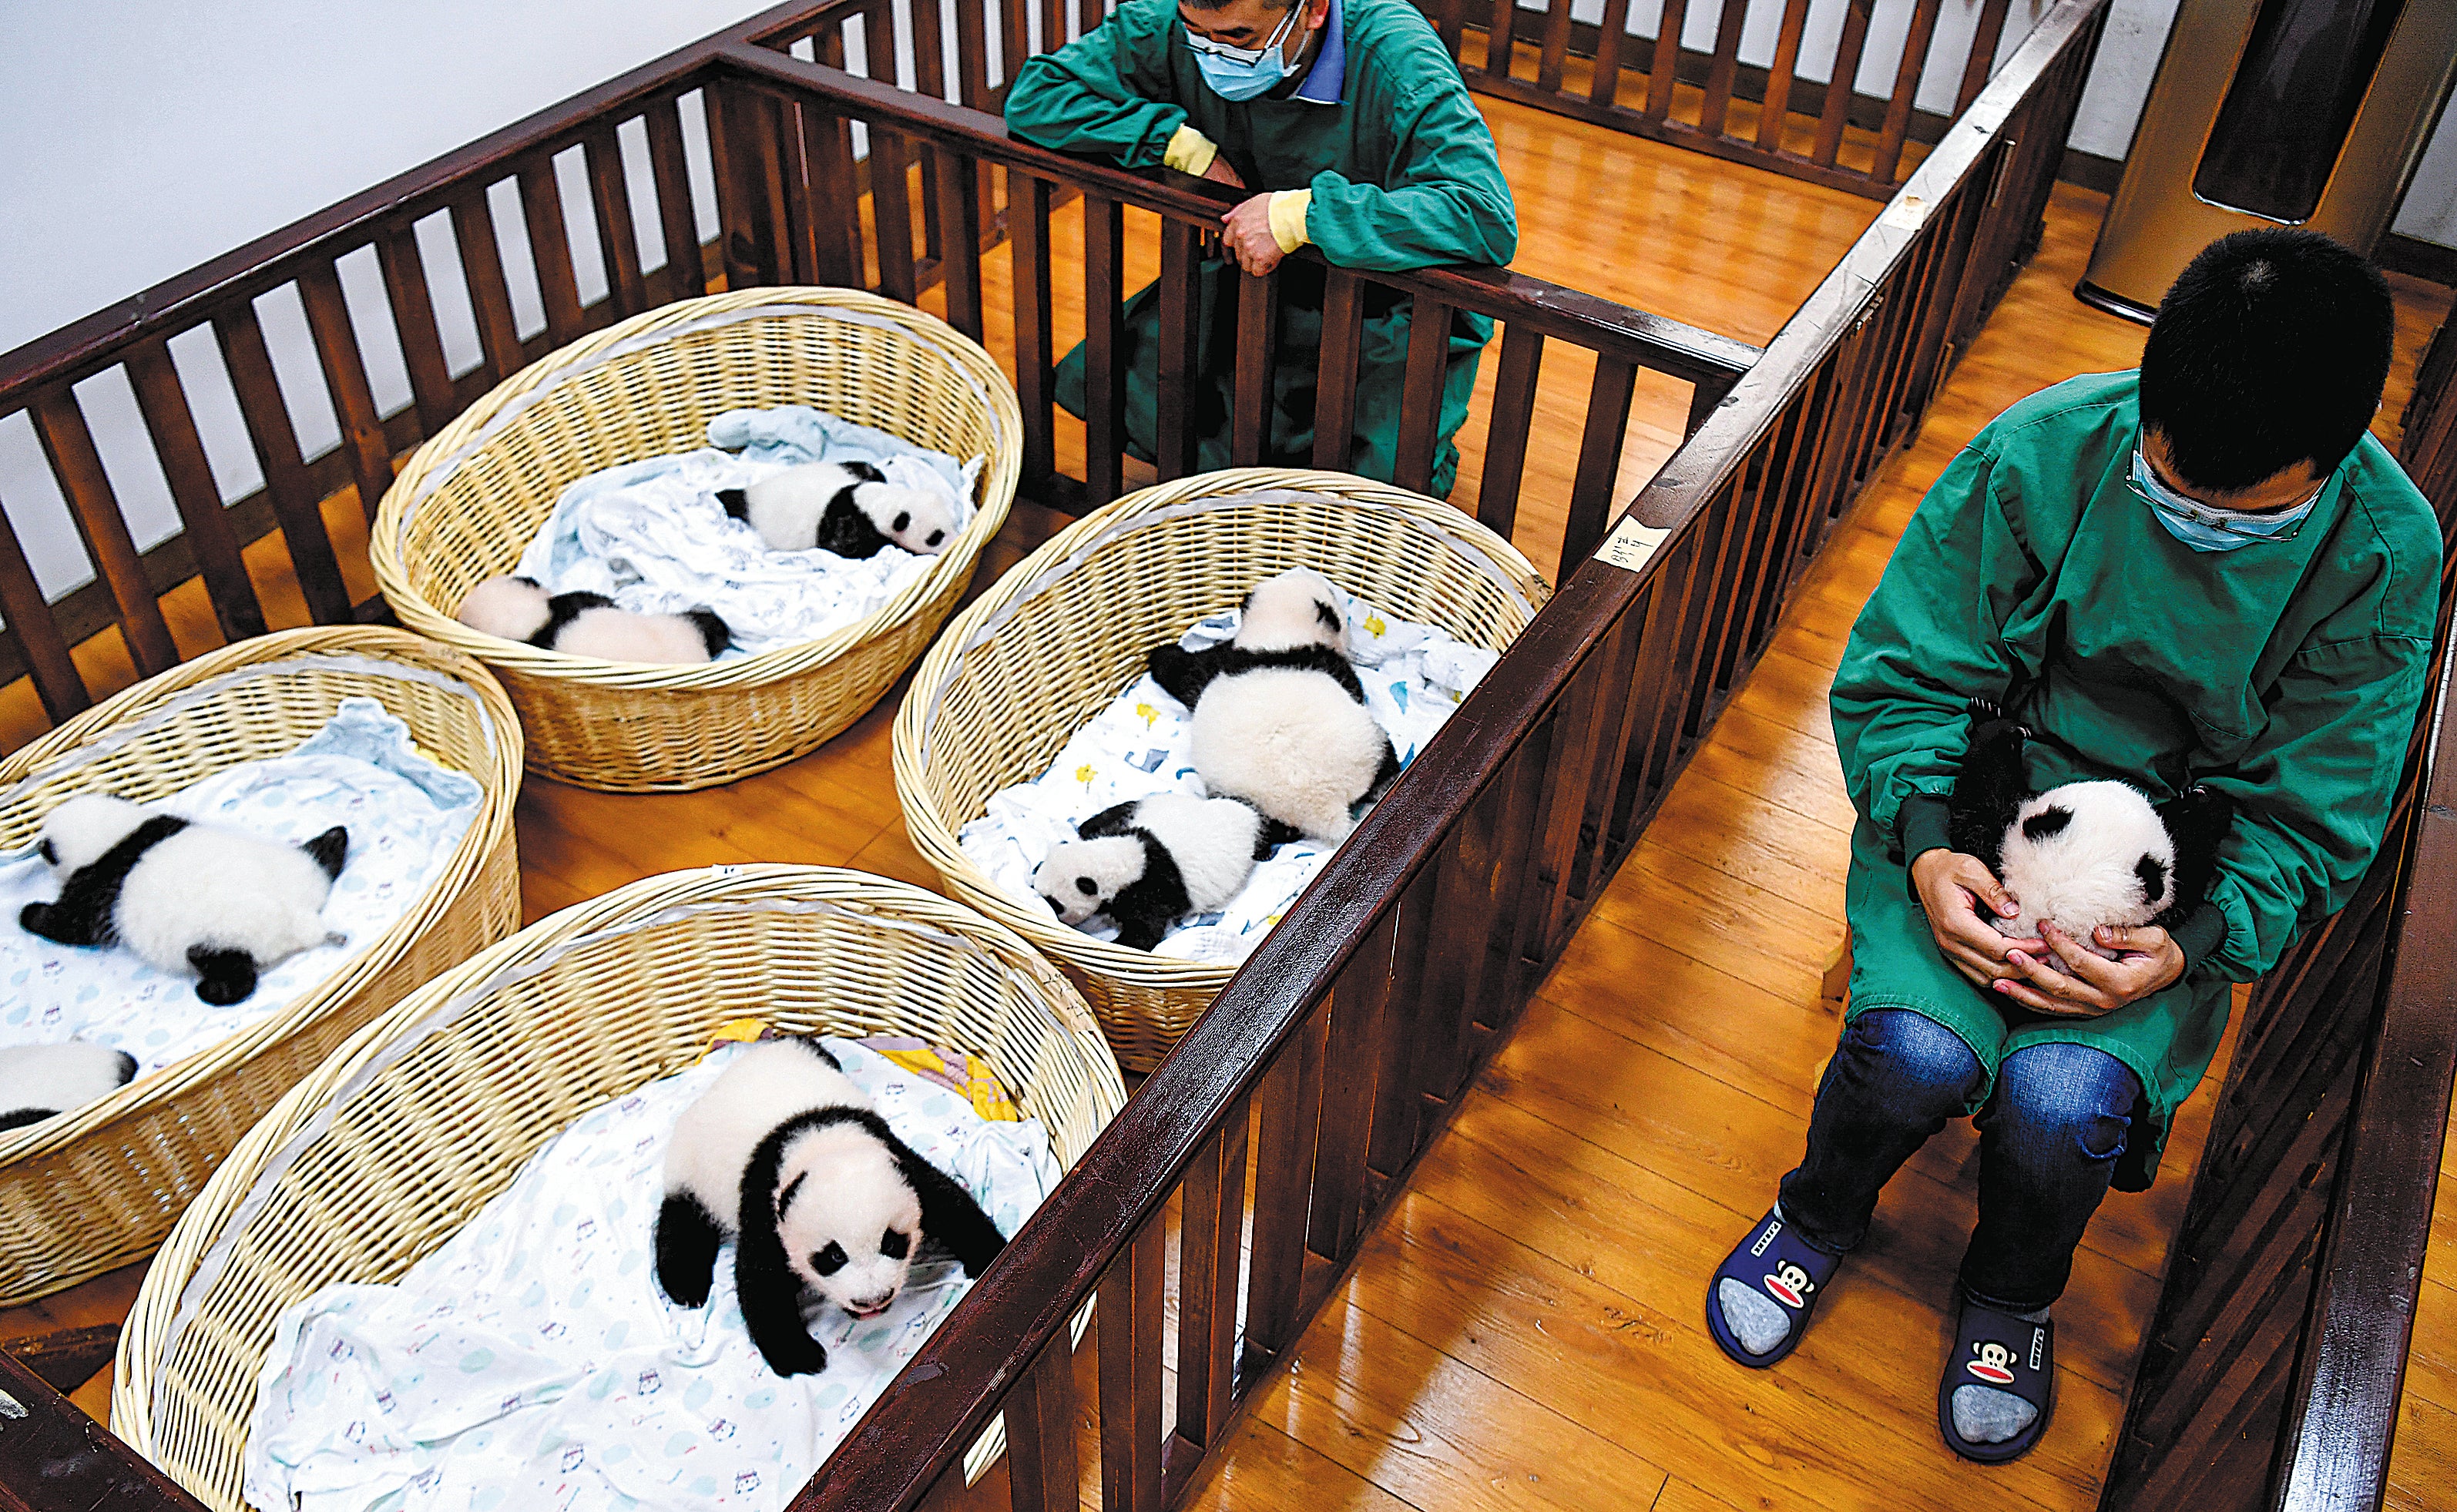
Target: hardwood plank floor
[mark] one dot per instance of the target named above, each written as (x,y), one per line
(1523,1328)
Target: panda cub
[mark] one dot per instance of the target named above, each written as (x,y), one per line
(44,1081)
(849,508)
(2086,853)
(584,624)
(1150,863)
(1279,715)
(785,1156)
(222,903)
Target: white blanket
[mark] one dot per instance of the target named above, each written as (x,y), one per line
(1414,676)
(404,814)
(533,1362)
(650,535)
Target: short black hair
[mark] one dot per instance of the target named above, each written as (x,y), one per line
(2271,349)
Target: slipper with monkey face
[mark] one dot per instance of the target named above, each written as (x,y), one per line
(1774,1275)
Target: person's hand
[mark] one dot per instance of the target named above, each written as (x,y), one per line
(1246,231)
(1220,173)
(2147,960)
(1953,888)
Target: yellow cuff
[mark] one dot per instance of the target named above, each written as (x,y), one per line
(1189,152)
(1289,218)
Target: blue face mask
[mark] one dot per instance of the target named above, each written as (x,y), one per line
(2206,528)
(1243,73)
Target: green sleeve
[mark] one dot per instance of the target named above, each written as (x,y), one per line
(2313,793)
(1107,92)
(1925,646)
(1446,200)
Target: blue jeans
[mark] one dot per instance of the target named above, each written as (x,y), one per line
(2048,1141)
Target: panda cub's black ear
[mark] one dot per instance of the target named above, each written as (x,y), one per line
(2048,821)
(2154,878)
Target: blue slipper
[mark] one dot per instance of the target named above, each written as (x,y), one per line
(2002,1353)
(1774,1277)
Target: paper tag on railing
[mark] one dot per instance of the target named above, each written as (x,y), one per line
(1630,544)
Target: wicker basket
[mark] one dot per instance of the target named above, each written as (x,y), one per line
(432,1110)
(99,1186)
(470,499)
(1030,661)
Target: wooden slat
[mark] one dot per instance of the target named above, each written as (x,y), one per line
(1028,222)
(1291,1105)
(1724,66)
(490,297)
(1129,1323)
(685,276)
(1661,74)
(1775,107)
(1907,79)
(551,251)
(413,322)
(1500,37)
(1838,92)
(1441,1008)
(1210,1251)
(1449,23)
(1598,456)
(1983,52)
(68,1358)
(959,258)
(1043,1475)
(1089,14)
(78,468)
(1420,408)
(929,80)
(291,493)
(1557,47)
(1174,448)
(1105,349)
(1257,327)
(973,90)
(37,633)
(1506,433)
(1015,38)
(618,240)
(345,380)
(749,254)
(1334,405)
(1359,1024)
(163,403)
(1053,25)
(830,199)
(1605,84)
(892,206)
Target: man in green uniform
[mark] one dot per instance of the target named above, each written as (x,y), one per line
(1350,118)
(2206,572)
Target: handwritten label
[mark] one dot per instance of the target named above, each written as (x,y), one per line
(1630,544)
(1905,214)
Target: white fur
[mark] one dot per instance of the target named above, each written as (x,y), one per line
(618,635)
(505,606)
(2082,876)
(852,1191)
(60,1077)
(1112,864)
(1211,839)
(206,884)
(786,508)
(1290,742)
(1281,613)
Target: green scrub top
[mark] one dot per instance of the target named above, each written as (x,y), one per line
(1404,176)
(2286,674)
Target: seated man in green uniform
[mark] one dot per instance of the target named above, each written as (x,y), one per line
(2202,572)
(1353,123)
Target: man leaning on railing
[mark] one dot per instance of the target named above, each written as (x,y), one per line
(1352,120)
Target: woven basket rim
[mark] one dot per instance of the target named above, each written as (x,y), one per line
(149,1329)
(934,834)
(1001,472)
(498,784)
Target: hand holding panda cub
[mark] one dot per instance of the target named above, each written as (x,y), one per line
(848,509)
(787,1157)
(584,624)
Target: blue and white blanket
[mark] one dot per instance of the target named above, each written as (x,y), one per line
(650,535)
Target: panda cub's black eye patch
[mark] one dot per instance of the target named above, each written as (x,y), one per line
(49,852)
(2154,878)
(894,1245)
(1086,887)
(938,536)
(1326,614)
(830,1260)
(903,518)
(2045,823)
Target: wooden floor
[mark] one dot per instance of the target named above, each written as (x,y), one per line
(1525,1329)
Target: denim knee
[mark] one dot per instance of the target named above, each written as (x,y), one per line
(2062,1097)
(1910,1061)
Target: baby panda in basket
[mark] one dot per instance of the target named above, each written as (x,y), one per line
(848,509)
(184,896)
(584,623)
(2084,854)
(785,1156)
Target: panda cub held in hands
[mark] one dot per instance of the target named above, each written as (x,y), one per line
(849,508)
(1279,715)
(584,624)
(44,1081)
(2083,854)
(1150,863)
(185,897)
(785,1154)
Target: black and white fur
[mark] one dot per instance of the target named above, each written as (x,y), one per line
(1279,714)
(220,902)
(784,1154)
(849,508)
(584,623)
(2083,854)
(1150,863)
(44,1081)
